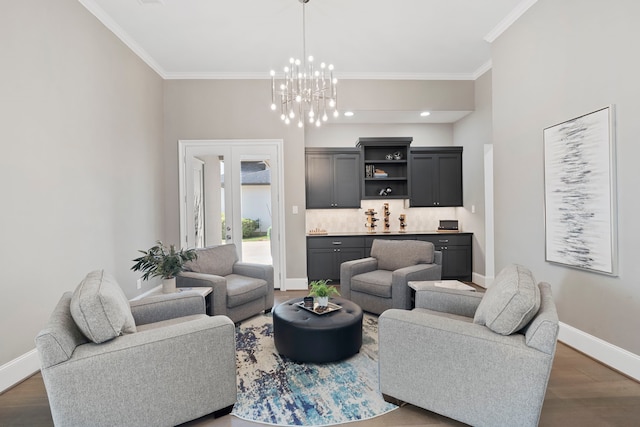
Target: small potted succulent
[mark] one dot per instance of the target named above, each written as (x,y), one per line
(321,290)
(164,262)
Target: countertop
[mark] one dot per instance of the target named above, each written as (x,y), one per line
(380,233)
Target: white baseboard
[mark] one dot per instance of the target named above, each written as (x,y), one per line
(298,284)
(609,354)
(11,373)
(481,280)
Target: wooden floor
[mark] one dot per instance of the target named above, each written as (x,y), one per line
(581,392)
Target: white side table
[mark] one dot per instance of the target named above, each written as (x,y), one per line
(449,284)
(206,292)
(419,285)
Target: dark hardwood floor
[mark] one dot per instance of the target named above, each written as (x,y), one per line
(581,392)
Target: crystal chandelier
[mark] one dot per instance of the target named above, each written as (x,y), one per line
(305,90)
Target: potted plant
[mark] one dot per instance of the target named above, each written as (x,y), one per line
(164,262)
(321,290)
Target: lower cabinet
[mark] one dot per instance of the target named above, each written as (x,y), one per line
(325,253)
(456,254)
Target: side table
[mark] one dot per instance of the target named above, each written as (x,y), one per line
(447,284)
(206,292)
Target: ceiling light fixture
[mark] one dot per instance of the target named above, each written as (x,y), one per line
(305,90)
(348,113)
(425,114)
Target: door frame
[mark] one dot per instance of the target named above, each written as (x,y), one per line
(204,147)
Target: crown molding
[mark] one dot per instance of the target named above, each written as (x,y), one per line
(512,17)
(106,20)
(340,76)
(482,69)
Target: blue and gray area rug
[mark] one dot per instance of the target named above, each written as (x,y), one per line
(272,389)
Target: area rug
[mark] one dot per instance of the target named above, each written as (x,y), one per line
(273,389)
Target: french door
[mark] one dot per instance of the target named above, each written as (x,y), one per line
(230,193)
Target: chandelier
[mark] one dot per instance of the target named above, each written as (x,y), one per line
(305,90)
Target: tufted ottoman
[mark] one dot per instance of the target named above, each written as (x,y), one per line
(307,337)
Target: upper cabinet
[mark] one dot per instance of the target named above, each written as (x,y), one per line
(385,168)
(332,178)
(436,176)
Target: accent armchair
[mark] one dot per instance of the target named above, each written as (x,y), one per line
(160,361)
(481,358)
(240,290)
(380,282)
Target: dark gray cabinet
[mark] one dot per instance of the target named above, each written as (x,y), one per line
(332,178)
(456,254)
(326,253)
(436,177)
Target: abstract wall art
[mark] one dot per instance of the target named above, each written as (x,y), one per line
(580,192)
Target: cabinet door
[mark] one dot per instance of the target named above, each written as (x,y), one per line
(423,172)
(449,179)
(456,262)
(346,186)
(320,263)
(319,181)
(348,254)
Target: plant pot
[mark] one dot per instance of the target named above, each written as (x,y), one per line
(323,301)
(169,285)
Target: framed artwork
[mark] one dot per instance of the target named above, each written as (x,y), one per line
(580,193)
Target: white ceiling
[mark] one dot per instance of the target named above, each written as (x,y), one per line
(385,39)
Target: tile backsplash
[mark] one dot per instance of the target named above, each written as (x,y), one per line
(354,220)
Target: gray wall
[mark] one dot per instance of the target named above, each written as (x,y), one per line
(238,109)
(473,132)
(80,170)
(234,109)
(560,60)
(346,135)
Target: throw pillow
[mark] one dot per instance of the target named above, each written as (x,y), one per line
(511,302)
(100,308)
(395,254)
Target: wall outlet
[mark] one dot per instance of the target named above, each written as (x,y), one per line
(139,284)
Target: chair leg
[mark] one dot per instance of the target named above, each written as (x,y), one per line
(392,400)
(222,412)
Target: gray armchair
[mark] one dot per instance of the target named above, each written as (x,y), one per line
(240,290)
(482,359)
(380,282)
(159,362)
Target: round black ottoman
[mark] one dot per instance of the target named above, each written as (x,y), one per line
(304,336)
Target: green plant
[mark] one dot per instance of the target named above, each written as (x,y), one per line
(321,288)
(249,226)
(162,261)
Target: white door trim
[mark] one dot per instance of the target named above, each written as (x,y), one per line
(204,147)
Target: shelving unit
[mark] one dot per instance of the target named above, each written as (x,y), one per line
(390,155)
